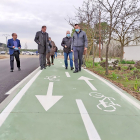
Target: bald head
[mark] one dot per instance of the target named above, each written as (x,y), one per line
(14,35)
(68,32)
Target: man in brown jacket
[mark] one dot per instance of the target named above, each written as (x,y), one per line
(52,52)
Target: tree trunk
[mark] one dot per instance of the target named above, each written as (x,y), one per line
(122,52)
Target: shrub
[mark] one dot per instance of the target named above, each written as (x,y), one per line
(136,73)
(115,63)
(114,75)
(130,67)
(103,64)
(124,68)
(137,65)
(127,62)
(96,64)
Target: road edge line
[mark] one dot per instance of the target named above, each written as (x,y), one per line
(5,113)
(115,89)
(17,85)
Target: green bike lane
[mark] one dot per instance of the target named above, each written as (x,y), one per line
(109,115)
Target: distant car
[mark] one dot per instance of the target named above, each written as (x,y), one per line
(27,52)
(23,53)
(31,53)
(3,52)
(8,53)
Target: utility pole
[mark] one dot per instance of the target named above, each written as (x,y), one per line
(6,35)
(99,34)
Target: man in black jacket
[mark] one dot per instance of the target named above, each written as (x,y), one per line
(66,43)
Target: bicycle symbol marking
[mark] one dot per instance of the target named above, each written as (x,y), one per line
(53,78)
(106,104)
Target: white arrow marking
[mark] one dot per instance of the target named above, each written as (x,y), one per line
(67,74)
(91,130)
(87,81)
(47,101)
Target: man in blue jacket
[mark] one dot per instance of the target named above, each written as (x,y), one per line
(14,51)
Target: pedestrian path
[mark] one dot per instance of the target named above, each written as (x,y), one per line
(57,104)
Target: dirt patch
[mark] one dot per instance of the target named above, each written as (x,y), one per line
(128,90)
(3,57)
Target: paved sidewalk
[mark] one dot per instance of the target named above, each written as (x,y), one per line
(59,105)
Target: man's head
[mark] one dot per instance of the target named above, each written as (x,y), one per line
(50,38)
(44,28)
(68,33)
(77,26)
(14,35)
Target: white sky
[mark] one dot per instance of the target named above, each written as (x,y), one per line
(25,17)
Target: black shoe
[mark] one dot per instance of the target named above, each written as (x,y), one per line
(41,68)
(19,69)
(79,69)
(72,68)
(76,71)
(66,68)
(11,70)
(44,67)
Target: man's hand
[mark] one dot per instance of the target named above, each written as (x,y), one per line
(13,47)
(71,50)
(85,49)
(19,48)
(65,46)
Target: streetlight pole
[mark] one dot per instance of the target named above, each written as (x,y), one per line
(6,35)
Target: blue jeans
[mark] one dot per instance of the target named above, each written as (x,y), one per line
(55,54)
(66,59)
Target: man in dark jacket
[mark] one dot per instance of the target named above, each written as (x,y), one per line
(79,44)
(42,39)
(14,50)
(66,43)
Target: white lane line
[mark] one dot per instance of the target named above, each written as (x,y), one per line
(60,62)
(16,86)
(91,130)
(5,113)
(115,89)
(67,74)
(63,66)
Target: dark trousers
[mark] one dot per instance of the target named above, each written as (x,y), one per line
(42,59)
(52,58)
(16,55)
(78,54)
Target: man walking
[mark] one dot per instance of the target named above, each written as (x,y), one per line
(79,44)
(66,43)
(48,54)
(42,39)
(14,47)
(52,51)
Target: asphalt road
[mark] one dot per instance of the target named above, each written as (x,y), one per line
(9,79)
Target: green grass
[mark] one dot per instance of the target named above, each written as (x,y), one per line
(116,75)
(126,62)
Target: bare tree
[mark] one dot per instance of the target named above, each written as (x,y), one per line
(128,24)
(112,10)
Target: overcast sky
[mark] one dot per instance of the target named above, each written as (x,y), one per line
(25,17)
